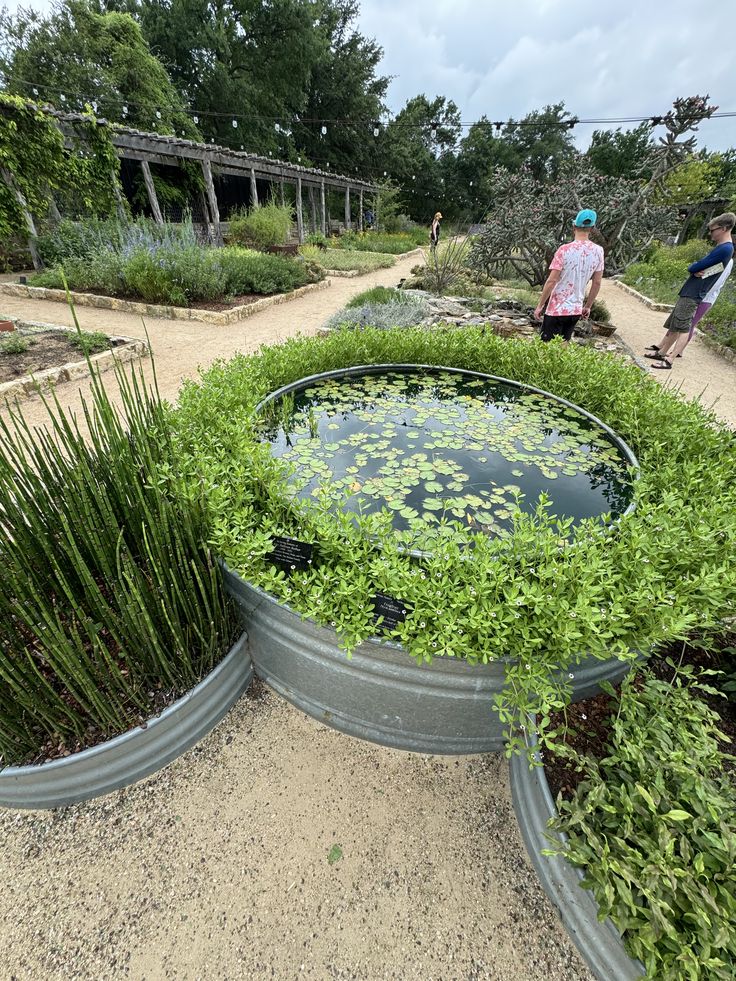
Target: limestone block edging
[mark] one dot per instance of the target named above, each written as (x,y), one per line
(220,318)
(27,386)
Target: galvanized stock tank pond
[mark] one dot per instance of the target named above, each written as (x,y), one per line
(435,446)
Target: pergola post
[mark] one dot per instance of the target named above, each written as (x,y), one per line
(360,211)
(253,189)
(151,188)
(312,209)
(209,186)
(322,207)
(299,217)
(281,190)
(27,217)
(347,209)
(119,203)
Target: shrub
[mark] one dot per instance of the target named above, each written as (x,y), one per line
(269,224)
(396,313)
(378,295)
(180,275)
(654,827)
(615,590)
(15,344)
(88,238)
(599,312)
(347,260)
(245,271)
(317,238)
(111,604)
(665,270)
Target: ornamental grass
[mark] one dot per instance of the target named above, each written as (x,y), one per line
(111,603)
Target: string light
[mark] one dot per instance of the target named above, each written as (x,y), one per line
(324,131)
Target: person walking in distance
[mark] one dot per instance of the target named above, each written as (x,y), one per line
(571,269)
(434,231)
(702,286)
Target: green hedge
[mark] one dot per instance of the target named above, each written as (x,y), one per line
(662,571)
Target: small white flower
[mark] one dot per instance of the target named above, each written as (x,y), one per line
(571,676)
(583,716)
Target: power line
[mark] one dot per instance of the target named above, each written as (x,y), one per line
(285,121)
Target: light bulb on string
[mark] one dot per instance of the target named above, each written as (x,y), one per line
(235,124)
(433,131)
(62,97)
(323,131)
(158,114)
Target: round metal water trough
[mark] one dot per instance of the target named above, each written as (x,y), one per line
(380,693)
(599,942)
(134,754)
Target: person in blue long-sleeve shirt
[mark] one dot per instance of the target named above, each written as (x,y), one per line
(704,274)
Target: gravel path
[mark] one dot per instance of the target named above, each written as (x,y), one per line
(217,867)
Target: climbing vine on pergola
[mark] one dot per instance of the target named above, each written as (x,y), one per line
(39,162)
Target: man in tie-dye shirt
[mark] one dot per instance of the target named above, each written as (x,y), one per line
(571,269)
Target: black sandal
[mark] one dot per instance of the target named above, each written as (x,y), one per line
(664,363)
(652,347)
(654,357)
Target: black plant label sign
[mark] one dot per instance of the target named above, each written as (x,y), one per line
(394,611)
(290,553)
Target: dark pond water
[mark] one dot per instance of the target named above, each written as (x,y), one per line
(430,445)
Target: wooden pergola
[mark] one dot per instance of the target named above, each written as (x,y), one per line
(170,151)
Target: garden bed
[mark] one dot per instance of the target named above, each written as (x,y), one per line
(206,314)
(37,356)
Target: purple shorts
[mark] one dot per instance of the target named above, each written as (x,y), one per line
(700,312)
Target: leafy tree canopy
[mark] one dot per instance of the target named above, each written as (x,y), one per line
(622,153)
(78,50)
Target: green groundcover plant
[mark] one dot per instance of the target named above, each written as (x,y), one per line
(111,605)
(396,243)
(653,824)
(540,598)
(347,260)
(177,274)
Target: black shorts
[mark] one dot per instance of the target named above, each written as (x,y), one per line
(558,327)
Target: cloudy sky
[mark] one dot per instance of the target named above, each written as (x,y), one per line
(604,60)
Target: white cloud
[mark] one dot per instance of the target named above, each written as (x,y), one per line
(604,61)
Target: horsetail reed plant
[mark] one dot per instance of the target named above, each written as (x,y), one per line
(111,604)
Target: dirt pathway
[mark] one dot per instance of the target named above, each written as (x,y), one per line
(700,373)
(182,347)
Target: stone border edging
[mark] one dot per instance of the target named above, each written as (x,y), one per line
(599,942)
(134,754)
(29,385)
(343,273)
(219,318)
(727,353)
(652,304)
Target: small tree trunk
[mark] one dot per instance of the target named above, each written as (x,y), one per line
(209,186)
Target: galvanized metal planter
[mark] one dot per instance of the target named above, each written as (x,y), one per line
(134,754)
(599,942)
(380,693)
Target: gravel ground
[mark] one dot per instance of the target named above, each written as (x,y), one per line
(217,868)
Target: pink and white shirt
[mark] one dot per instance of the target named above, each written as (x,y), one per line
(577,261)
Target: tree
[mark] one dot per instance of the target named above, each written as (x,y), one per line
(77,56)
(622,153)
(344,86)
(417,150)
(542,140)
(531,217)
(480,152)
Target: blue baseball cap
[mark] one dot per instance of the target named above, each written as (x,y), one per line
(585,218)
